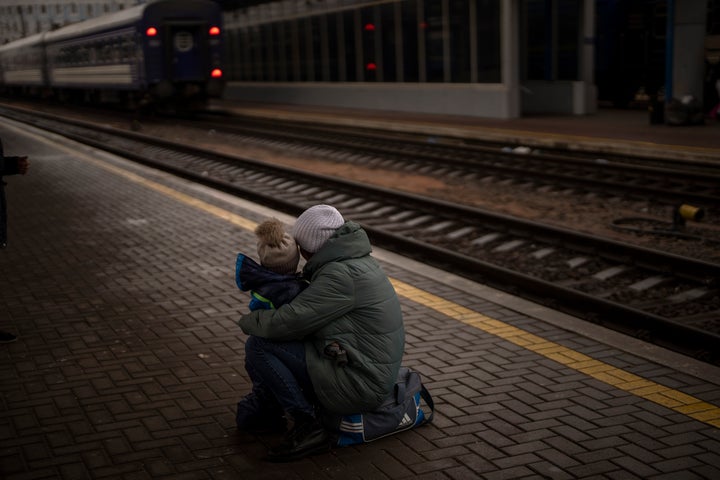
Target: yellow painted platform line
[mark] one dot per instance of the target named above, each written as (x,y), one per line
(660,394)
(667,397)
(181,197)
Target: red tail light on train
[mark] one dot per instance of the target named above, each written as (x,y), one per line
(214,31)
(151,31)
(216,73)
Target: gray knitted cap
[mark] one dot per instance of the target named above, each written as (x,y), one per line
(315,226)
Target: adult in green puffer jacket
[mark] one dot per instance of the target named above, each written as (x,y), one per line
(348,321)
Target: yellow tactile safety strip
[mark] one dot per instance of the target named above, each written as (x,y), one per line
(667,397)
(186,199)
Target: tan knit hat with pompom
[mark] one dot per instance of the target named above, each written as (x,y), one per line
(277,249)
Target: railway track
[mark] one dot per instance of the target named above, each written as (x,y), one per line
(662,181)
(665,299)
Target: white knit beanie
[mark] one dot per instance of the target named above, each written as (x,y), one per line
(315,226)
(277,250)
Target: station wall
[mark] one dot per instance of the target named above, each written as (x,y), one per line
(466,57)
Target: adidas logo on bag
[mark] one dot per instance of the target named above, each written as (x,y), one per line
(406,420)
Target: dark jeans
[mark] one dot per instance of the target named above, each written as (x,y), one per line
(279,369)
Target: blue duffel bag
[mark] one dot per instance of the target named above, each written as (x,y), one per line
(409,406)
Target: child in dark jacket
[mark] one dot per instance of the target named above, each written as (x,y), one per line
(275,281)
(272,283)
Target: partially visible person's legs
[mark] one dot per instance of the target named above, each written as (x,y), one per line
(280,369)
(273,368)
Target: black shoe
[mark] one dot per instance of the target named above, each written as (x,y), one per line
(306,438)
(6,337)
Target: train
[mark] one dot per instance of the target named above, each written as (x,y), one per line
(168,52)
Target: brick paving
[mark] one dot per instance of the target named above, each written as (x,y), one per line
(129,362)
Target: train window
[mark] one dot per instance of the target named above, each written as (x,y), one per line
(125,50)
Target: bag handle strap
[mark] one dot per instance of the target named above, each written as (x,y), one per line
(399,393)
(429,401)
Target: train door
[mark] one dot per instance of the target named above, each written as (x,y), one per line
(184,52)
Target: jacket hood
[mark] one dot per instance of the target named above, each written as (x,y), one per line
(273,288)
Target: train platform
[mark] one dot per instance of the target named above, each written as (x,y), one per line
(609,131)
(119,282)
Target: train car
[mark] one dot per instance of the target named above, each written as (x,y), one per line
(22,65)
(160,52)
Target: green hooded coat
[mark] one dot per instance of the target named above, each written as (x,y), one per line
(350,301)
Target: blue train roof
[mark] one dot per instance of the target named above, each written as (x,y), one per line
(123,17)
